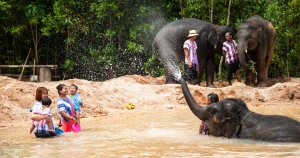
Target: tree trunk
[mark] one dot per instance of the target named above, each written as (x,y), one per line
(228,15)
(180,5)
(287,58)
(36,44)
(222,58)
(35,40)
(211,11)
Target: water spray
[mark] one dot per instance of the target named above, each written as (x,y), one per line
(174,69)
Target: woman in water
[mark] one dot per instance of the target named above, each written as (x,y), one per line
(65,109)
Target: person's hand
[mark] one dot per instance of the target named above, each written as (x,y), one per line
(75,120)
(190,65)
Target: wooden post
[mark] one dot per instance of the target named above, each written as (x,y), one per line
(20,76)
(44,74)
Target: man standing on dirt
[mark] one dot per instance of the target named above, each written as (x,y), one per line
(229,50)
(191,60)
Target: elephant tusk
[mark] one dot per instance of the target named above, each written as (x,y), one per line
(216,120)
(246,51)
(215,46)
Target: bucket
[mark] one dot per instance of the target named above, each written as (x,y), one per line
(33,78)
(76,127)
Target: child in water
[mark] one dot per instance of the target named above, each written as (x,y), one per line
(47,114)
(211,98)
(76,100)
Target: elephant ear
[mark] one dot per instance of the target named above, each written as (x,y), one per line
(259,32)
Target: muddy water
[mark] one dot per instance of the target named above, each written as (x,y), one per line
(164,133)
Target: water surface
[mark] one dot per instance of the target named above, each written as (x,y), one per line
(157,133)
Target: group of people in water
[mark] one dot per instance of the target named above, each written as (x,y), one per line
(229,50)
(68,109)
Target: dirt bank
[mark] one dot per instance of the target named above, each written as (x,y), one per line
(109,97)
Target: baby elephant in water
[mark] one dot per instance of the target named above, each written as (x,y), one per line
(231,118)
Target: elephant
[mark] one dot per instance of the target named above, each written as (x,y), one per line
(169,44)
(256,42)
(231,118)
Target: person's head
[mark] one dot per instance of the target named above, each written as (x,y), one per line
(73,89)
(41,92)
(192,34)
(212,98)
(46,101)
(62,89)
(228,36)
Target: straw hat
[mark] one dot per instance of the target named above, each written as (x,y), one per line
(192,33)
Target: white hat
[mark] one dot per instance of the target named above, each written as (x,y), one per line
(192,33)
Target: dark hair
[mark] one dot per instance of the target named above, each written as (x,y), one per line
(74,85)
(213,97)
(60,87)
(46,101)
(39,93)
(228,32)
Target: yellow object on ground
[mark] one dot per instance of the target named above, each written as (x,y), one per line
(129,106)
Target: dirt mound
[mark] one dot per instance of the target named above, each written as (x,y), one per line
(145,92)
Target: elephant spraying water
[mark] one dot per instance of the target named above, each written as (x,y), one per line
(231,118)
(169,44)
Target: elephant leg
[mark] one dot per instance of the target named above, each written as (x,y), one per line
(270,49)
(261,67)
(201,70)
(268,61)
(209,72)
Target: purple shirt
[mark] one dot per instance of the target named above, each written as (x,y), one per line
(192,47)
(230,51)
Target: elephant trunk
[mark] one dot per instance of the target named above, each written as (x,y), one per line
(242,51)
(198,110)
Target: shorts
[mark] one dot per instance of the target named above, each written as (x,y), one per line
(232,68)
(44,134)
(189,73)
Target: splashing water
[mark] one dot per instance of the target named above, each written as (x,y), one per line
(174,69)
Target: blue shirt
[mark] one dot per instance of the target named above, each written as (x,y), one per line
(64,104)
(76,100)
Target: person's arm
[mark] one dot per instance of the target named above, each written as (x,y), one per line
(37,117)
(80,100)
(187,57)
(224,53)
(62,112)
(67,116)
(224,50)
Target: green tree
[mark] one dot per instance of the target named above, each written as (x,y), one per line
(34,13)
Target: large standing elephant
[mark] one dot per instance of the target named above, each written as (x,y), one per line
(169,42)
(256,41)
(232,119)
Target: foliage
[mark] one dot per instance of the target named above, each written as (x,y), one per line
(102,39)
